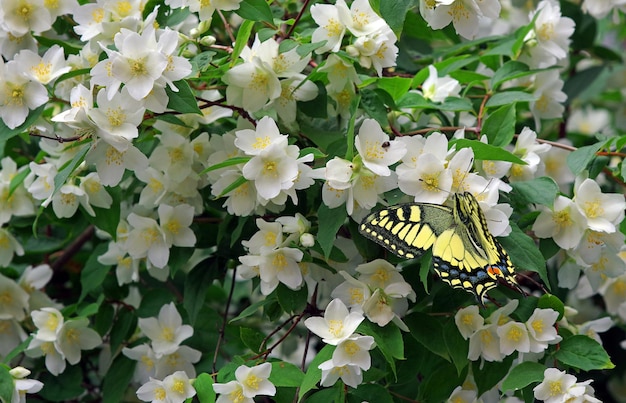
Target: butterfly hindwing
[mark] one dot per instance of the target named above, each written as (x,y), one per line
(465,254)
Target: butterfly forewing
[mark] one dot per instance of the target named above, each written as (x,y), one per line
(407,230)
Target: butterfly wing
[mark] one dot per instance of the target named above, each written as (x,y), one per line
(407,230)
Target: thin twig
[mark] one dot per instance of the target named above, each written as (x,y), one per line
(298,17)
(229,31)
(36,133)
(241,111)
(222,330)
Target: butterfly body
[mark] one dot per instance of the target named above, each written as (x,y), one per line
(465,254)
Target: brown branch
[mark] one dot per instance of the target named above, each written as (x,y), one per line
(69,252)
(37,133)
(227,27)
(240,111)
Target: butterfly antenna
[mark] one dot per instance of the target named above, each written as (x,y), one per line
(535,282)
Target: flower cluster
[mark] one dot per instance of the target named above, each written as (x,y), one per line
(174,388)
(250,382)
(558,386)
(351,355)
(164,355)
(499,335)
(60,340)
(380,292)
(374,42)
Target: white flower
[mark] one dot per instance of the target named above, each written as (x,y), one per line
(65,202)
(350,374)
(602,211)
(146,362)
(12,335)
(147,239)
(552,32)
(137,63)
(254,380)
(55,360)
(14,298)
(549,96)
(49,322)
(464,14)
(354,351)
(116,118)
(22,16)
(468,320)
(75,336)
(167,331)
(42,186)
(274,266)
(21,385)
(337,324)
(175,222)
(253,141)
(564,223)
(437,89)
(252,85)
(588,121)
(352,292)
(485,343)
(173,155)
(428,181)
(555,386)
(174,388)
(43,68)
(273,170)
(268,238)
(376,151)
(331,28)
(513,337)
(111,162)
(18,94)
(251,382)
(541,329)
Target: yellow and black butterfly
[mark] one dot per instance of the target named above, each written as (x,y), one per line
(465,254)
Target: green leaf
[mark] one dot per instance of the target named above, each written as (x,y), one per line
(252,338)
(17,180)
(582,81)
(252,309)
(228,163)
(285,374)
(455,344)
(120,373)
(394,13)
(197,283)
(204,388)
(487,152)
(6,134)
(523,375)
(123,327)
(373,392)
(388,340)
(66,171)
(330,220)
(107,219)
(255,10)
(549,301)
(243,34)
(417,101)
(313,374)
(428,331)
(499,127)
(584,353)
(508,71)
(509,97)
(94,272)
(488,374)
(578,160)
(394,86)
(541,190)
(183,100)
(292,301)
(6,384)
(524,253)
(63,387)
(374,107)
